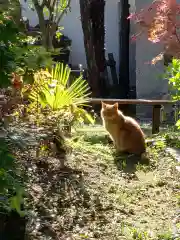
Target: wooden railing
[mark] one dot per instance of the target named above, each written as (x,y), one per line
(156,105)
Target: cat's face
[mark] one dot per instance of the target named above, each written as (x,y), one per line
(108,110)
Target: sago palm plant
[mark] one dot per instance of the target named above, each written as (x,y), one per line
(51,89)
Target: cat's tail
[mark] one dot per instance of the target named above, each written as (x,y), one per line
(144,155)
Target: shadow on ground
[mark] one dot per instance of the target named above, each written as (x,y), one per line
(12,226)
(57,192)
(97,139)
(128,162)
(124,162)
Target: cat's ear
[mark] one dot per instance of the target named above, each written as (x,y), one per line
(103,104)
(116,105)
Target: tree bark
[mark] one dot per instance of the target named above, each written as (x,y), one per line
(42,24)
(50,32)
(124,50)
(98,33)
(49,29)
(92,68)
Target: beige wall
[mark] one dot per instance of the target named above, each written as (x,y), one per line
(147,77)
(73,29)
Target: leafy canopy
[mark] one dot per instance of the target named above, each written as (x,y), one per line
(54,10)
(160,22)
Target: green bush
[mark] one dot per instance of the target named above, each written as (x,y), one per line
(11,189)
(173,76)
(17,54)
(30,58)
(8,37)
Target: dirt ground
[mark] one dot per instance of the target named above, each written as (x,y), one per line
(101,195)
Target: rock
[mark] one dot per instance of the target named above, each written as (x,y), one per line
(36,188)
(174,152)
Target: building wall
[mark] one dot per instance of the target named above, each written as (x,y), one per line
(73,29)
(147,77)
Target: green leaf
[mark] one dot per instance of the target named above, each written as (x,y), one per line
(173,76)
(178,124)
(16,201)
(46,11)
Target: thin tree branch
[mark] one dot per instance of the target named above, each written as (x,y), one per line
(52,8)
(63,12)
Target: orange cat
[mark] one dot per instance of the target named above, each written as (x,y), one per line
(124,131)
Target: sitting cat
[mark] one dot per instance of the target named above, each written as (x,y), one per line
(123,130)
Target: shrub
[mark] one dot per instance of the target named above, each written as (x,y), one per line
(11,189)
(29,59)
(17,55)
(8,37)
(173,76)
(52,93)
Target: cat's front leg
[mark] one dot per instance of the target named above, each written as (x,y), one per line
(120,145)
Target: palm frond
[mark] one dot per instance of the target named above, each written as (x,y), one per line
(61,95)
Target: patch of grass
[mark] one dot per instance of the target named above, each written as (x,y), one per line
(166,236)
(138,235)
(139,196)
(101,194)
(173,139)
(133,233)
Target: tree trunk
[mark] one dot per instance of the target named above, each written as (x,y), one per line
(47,30)
(42,23)
(124,50)
(92,68)
(124,81)
(50,33)
(98,33)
